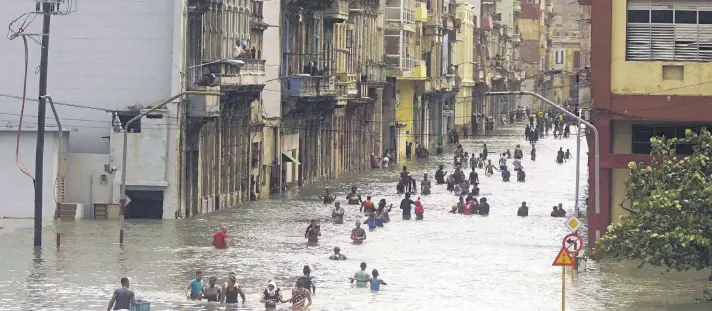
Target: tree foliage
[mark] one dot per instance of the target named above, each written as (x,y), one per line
(670,219)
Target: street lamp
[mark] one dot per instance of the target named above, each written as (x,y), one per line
(596,163)
(122,200)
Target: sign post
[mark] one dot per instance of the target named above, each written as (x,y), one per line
(563,259)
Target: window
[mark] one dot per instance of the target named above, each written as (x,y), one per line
(663,30)
(643,133)
(559,57)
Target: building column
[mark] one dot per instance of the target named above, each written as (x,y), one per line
(377,123)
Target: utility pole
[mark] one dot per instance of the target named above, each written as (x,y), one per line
(47,10)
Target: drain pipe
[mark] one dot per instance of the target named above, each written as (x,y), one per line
(62,164)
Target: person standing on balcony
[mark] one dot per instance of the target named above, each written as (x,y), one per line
(240,49)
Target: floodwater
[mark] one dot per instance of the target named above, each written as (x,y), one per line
(446,262)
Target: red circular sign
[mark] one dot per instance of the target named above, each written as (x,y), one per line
(572,243)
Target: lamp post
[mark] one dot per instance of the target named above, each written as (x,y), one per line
(122,200)
(597,165)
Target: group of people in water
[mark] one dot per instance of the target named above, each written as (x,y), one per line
(375,215)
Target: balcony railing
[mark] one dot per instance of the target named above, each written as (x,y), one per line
(345,84)
(251,73)
(398,15)
(309,86)
(400,62)
(339,10)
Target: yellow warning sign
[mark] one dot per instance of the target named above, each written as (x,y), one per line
(563,259)
(573,223)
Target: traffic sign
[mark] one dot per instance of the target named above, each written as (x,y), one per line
(573,243)
(573,223)
(563,259)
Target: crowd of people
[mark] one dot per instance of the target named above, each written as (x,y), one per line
(465,186)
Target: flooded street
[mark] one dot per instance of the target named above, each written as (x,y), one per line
(446,262)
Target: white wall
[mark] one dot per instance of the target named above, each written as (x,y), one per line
(109,54)
(290,145)
(272,53)
(78,182)
(17,189)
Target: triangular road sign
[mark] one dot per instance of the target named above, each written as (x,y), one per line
(563,259)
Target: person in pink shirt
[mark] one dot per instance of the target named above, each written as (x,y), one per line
(419,210)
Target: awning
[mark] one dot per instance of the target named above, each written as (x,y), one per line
(289,158)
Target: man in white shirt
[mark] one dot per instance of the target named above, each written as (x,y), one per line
(239,50)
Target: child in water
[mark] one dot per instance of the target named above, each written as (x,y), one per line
(375,281)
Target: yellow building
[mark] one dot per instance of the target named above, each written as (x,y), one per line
(565,58)
(649,84)
(464,57)
(402,53)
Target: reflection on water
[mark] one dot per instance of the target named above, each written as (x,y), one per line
(446,262)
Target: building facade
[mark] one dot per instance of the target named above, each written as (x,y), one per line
(649,78)
(535,25)
(112,71)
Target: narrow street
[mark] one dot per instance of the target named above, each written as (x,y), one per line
(446,262)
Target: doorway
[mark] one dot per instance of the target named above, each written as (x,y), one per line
(144,204)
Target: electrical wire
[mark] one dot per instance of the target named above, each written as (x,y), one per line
(29,18)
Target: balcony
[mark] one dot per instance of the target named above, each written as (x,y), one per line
(375,73)
(345,85)
(400,18)
(517,6)
(444,83)
(339,10)
(308,86)
(584,2)
(400,62)
(421,14)
(250,74)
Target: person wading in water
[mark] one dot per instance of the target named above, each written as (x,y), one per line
(220,238)
(271,296)
(337,213)
(406,205)
(361,277)
(123,298)
(337,254)
(307,280)
(301,297)
(358,235)
(313,232)
(425,185)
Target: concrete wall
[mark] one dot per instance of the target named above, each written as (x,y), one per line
(78,184)
(290,145)
(271,96)
(107,54)
(17,189)
(404,115)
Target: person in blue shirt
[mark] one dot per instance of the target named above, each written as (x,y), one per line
(194,290)
(473,161)
(375,282)
(505,174)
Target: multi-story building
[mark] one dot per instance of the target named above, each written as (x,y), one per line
(465,63)
(566,63)
(329,110)
(403,52)
(650,68)
(223,138)
(584,85)
(438,112)
(113,70)
(533,22)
